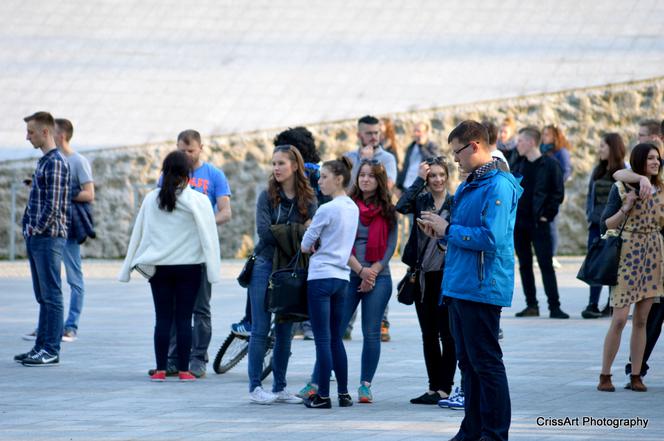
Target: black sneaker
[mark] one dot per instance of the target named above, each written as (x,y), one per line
(530,311)
(317,402)
(558,314)
(41,358)
(591,312)
(345,400)
(426,398)
(20,357)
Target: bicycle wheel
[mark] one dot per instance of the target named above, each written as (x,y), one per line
(267,359)
(230,353)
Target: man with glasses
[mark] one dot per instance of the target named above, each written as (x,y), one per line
(479,278)
(368,135)
(419,150)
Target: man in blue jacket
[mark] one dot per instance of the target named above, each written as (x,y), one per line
(479,278)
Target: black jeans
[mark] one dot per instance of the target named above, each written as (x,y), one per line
(653,330)
(487,396)
(437,341)
(174,289)
(539,237)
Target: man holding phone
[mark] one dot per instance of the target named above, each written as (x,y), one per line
(479,278)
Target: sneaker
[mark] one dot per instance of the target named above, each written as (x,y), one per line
(317,402)
(591,312)
(364,394)
(20,357)
(385,332)
(558,314)
(41,358)
(556,263)
(308,391)
(170,372)
(241,329)
(345,400)
(286,397)
(158,376)
(426,398)
(30,337)
(530,311)
(69,336)
(186,376)
(455,401)
(260,396)
(308,334)
(197,368)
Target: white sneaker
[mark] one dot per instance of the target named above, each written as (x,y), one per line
(260,396)
(556,264)
(286,397)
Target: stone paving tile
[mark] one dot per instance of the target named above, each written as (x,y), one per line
(101,390)
(138,71)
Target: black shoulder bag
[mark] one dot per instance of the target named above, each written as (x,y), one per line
(287,290)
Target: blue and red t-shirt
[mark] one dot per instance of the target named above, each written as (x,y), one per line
(210,181)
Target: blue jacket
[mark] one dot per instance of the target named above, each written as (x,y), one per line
(479,264)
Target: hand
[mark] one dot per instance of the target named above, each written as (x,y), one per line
(309,250)
(365,286)
(368,274)
(367,152)
(630,200)
(307,223)
(436,223)
(423,171)
(645,188)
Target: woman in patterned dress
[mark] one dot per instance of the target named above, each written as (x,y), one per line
(640,273)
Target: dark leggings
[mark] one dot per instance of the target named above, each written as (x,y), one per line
(174,289)
(437,341)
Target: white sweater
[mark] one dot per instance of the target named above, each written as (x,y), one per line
(335,224)
(187,235)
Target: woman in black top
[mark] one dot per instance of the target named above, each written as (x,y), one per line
(426,254)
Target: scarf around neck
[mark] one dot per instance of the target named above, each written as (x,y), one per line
(378,231)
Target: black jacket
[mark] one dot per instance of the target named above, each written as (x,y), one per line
(548,187)
(429,150)
(414,201)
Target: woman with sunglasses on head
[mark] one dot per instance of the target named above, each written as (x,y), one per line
(288,199)
(425,254)
(330,238)
(640,272)
(370,281)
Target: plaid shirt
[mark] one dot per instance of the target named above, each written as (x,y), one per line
(48,211)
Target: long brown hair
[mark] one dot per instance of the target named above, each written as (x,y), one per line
(559,140)
(639,160)
(616,159)
(382,197)
(304,195)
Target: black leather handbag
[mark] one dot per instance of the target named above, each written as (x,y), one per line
(409,287)
(287,290)
(245,275)
(600,267)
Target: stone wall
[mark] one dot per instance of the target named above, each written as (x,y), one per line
(124,175)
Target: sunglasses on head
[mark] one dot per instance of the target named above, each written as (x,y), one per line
(370,161)
(282,148)
(435,160)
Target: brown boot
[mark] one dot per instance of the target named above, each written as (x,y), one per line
(605,384)
(636,384)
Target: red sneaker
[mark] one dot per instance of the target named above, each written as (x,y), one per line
(158,376)
(186,376)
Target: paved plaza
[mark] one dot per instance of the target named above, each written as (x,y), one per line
(100,390)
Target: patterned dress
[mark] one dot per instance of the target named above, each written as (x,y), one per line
(640,273)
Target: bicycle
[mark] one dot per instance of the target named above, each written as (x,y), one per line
(236,347)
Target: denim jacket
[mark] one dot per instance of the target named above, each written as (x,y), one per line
(479,264)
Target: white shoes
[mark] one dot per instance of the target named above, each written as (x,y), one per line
(260,396)
(286,397)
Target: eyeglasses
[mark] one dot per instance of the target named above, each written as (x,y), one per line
(435,160)
(456,152)
(282,148)
(370,161)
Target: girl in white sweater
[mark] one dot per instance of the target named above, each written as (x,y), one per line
(334,228)
(174,239)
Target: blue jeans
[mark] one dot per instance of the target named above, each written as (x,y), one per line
(373,307)
(596,290)
(72,260)
(326,308)
(260,327)
(45,257)
(487,407)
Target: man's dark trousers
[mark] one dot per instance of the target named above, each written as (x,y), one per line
(536,236)
(487,397)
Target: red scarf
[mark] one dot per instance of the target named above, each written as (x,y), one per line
(378,231)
